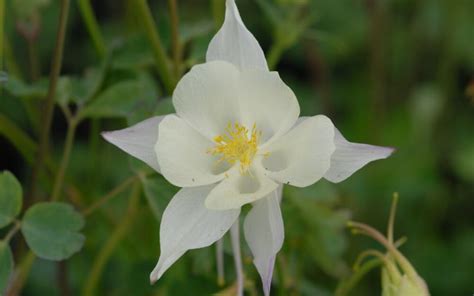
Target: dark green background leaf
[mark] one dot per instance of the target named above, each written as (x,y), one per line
(52,230)
(6,265)
(11,198)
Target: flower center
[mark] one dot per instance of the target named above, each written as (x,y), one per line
(237,144)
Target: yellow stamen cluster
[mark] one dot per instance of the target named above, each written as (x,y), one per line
(237,145)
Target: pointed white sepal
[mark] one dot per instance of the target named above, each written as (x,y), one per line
(138,140)
(187,224)
(264,232)
(235,44)
(350,157)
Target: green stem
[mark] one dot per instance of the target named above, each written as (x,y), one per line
(108,249)
(371,232)
(92,26)
(22,275)
(34,61)
(10,59)
(59,180)
(281,276)
(347,285)
(2,30)
(106,198)
(49,104)
(175,42)
(391,219)
(160,56)
(28,260)
(274,54)
(218,9)
(13,231)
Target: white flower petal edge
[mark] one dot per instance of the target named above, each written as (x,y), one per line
(187,224)
(183,156)
(350,157)
(236,189)
(138,140)
(303,155)
(234,43)
(264,232)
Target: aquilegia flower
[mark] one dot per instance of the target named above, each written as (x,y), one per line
(234,140)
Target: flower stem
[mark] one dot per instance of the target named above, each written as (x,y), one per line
(35,71)
(59,180)
(274,55)
(235,238)
(175,42)
(92,26)
(218,8)
(49,104)
(220,262)
(391,219)
(106,198)
(22,275)
(159,53)
(108,249)
(2,31)
(13,231)
(347,285)
(371,232)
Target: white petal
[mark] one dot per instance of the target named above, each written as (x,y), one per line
(263,229)
(234,43)
(138,140)
(236,189)
(207,97)
(350,157)
(265,100)
(302,156)
(183,155)
(187,224)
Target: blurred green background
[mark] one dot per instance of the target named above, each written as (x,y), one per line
(387,72)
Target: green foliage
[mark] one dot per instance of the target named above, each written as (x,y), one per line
(51,230)
(125,99)
(158,193)
(6,265)
(11,198)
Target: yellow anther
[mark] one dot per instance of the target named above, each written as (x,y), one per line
(237,145)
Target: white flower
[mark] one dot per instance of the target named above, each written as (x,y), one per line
(235,139)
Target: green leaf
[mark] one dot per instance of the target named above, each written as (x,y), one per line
(20,89)
(125,99)
(158,193)
(51,230)
(10,198)
(6,265)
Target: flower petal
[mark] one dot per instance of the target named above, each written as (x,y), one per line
(350,157)
(237,189)
(264,232)
(234,43)
(207,97)
(183,155)
(187,224)
(138,140)
(265,100)
(302,156)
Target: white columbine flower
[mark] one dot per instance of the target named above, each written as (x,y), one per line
(234,140)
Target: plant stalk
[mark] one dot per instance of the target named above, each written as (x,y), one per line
(92,26)
(50,99)
(159,53)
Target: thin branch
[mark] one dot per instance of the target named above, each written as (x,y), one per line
(50,99)
(235,237)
